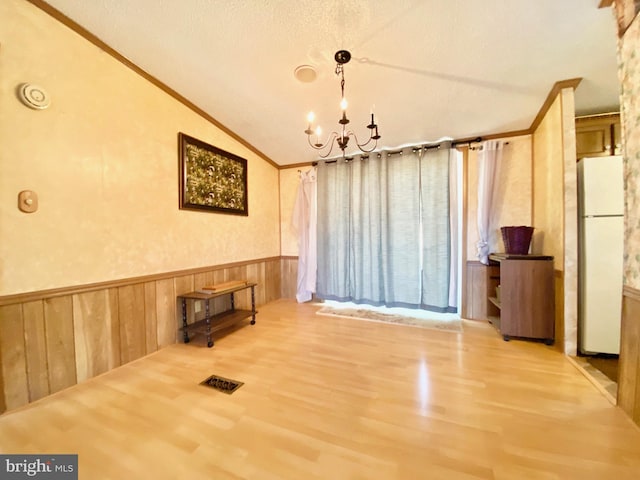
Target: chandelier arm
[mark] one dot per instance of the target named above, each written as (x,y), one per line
(362,146)
(329,143)
(329,152)
(322,146)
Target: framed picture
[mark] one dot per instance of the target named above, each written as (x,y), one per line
(210,178)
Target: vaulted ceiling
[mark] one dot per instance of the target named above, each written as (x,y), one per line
(428,68)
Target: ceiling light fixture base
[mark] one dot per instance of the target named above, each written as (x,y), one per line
(342,57)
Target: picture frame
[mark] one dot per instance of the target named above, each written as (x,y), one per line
(211,179)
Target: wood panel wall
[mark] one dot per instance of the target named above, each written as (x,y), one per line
(629,367)
(52,340)
(289,275)
(476,291)
(560,326)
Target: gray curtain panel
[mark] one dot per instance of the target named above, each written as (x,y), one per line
(436,230)
(379,221)
(334,231)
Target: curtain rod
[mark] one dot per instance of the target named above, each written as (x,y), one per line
(457,143)
(426,146)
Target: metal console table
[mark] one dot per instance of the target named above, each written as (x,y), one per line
(213,323)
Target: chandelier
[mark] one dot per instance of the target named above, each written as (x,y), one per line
(341,137)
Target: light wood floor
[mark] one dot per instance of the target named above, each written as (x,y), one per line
(334,398)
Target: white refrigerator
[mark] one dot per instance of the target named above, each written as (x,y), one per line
(600,247)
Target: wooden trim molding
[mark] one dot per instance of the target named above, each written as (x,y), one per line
(90,287)
(54,339)
(558,273)
(492,136)
(555,90)
(87,35)
(83,32)
(296,165)
(474,263)
(631,292)
(553,93)
(629,364)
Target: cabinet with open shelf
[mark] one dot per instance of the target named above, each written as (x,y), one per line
(526,307)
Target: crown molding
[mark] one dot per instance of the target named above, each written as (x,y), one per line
(631,292)
(87,35)
(555,90)
(83,32)
(123,282)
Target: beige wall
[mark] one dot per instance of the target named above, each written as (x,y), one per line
(555,209)
(548,201)
(629,75)
(570,224)
(103,161)
(289,181)
(512,205)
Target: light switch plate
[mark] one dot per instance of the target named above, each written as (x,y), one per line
(28,201)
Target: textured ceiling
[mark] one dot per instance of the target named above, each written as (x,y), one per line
(429,68)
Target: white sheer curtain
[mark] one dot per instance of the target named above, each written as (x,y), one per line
(489,160)
(304,221)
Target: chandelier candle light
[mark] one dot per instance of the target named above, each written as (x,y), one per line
(342,137)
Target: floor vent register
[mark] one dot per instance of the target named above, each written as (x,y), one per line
(222,384)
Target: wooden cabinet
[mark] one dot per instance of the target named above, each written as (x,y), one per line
(598,135)
(526,303)
(481,278)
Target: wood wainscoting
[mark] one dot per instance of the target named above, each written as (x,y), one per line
(560,327)
(337,398)
(629,366)
(53,339)
(289,276)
